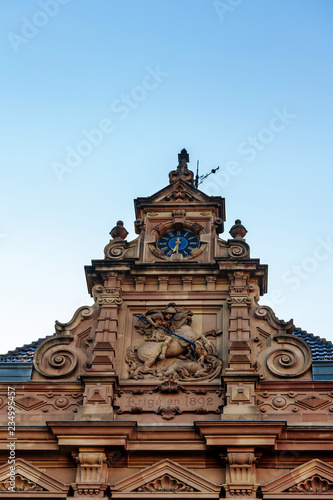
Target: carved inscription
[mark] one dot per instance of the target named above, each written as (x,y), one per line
(129,403)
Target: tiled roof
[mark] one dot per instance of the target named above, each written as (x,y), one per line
(23,354)
(322,349)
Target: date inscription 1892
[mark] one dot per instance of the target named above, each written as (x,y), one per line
(186,402)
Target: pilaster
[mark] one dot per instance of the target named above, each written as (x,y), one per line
(239,376)
(104,347)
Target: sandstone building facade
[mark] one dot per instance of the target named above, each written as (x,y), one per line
(175,383)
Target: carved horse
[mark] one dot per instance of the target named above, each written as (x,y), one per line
(149,352)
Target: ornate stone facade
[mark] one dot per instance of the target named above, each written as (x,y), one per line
(175,382)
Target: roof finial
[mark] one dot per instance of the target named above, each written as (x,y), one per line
(118,232)
(238,231)
(182,171)
(183,158)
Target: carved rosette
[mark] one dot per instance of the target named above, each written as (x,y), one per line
(53,359)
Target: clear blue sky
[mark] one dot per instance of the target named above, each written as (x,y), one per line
(246,85)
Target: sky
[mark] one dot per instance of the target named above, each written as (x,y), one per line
(97,100)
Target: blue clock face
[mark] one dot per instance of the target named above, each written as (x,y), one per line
(182,242)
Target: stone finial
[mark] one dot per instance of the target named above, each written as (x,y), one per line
(238,231)
(182,171)
(183,157)
(118,232)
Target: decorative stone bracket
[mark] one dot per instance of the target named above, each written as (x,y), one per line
(91,474)
(241,473)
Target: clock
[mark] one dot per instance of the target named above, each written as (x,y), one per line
(178,242)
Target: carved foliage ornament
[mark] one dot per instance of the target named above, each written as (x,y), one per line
(314,484)
(21,484)
(166,483)
(179,194)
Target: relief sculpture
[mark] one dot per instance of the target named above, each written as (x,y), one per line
(171,349)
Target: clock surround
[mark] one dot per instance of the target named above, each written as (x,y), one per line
(182,242)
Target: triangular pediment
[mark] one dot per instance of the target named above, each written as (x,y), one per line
(312,477)
(31,479)
(179,193)
(165,476)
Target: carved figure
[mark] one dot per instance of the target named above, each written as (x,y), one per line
(186,355)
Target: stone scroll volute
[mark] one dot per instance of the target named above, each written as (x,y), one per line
(55,359)
(288,357)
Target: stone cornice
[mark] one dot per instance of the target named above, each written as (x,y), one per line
(241,433)
(89,433)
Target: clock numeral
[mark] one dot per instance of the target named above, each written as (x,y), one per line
(185,254)
(171,234)
(164,248)
(169,253)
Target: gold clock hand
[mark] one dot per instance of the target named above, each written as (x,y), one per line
(175,250)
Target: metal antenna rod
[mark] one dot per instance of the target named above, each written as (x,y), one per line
(203,177)
(196,182)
